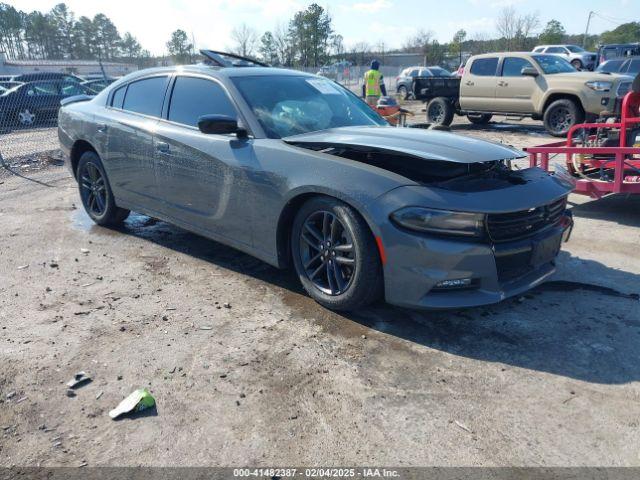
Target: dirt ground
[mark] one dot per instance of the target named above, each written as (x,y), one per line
(550,378)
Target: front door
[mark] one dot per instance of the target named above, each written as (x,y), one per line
(478,85)
(202,178)
(515,92)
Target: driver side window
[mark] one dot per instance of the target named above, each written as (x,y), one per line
(193,97)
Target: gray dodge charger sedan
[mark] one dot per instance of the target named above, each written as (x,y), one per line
(296,170)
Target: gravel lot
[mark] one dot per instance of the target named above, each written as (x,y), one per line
(551,378)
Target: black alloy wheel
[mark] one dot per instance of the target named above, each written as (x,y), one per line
(327,253)
(93,190)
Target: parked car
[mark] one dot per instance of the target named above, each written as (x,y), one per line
(577,56)
(30,102)
(296,170)
(404,81)
(37,76)
(544,87)
(617,50)
(97,85)
(626,66)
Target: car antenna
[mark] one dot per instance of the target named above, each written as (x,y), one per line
(225,59)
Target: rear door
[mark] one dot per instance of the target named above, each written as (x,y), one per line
(515,92)
(128,129)
(202,178)
(478,85)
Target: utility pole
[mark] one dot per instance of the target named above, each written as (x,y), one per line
(586,31)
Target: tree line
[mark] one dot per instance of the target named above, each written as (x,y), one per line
(58,34)
(308,39)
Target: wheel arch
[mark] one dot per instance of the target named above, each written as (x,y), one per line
(562,96)
(291,207)
(78,148)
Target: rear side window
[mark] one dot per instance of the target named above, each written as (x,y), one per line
(118,97)
(193,97)
(512,66)
(484,67)
(538,49)
(556,50)
(146,96)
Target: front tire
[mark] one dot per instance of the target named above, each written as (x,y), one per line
(95,192)
(335,255)
(577,64)
(561,115)
(440,111)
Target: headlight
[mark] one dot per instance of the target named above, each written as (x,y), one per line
(599,86)
(440,221)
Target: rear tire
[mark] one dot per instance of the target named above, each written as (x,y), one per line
(338,264)
(480,118)
(403,92)
(561,115)
(440,111)
(95,192)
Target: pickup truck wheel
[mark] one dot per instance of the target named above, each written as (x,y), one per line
(577,64)
(440,111)
(561,115)
(480,118)
(403,92)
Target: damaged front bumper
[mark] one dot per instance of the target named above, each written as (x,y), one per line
(423,271)
(437,272)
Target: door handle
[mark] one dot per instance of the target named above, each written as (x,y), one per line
(163,147)
(470,83)
(102,128)
(503,84)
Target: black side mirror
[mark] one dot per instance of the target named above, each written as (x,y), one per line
(220,124)
(529,72)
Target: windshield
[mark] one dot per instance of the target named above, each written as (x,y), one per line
(551,64)
(575,49)
(289,105)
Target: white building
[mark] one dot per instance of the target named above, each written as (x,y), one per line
(79,67)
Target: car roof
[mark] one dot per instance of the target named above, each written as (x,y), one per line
(215,71)
(511,54)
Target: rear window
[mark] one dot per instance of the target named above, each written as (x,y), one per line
(484,67)
(146,96)
(538,49)
(193,97)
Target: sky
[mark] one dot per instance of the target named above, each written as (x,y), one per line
(372,21)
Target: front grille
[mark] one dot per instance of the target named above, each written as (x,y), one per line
(504,227)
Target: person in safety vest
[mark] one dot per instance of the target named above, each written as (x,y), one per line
(373,87)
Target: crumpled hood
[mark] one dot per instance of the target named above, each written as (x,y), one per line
(426,144)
